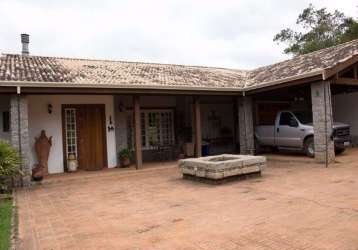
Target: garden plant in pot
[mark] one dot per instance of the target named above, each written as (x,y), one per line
(125,157)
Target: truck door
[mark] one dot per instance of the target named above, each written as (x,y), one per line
(287,131)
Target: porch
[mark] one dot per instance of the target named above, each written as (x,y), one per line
(95,128)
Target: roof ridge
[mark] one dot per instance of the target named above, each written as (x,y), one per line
(328,48)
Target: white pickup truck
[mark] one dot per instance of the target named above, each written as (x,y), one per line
(293,130)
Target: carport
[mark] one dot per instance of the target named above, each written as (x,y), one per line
(323,82)
(344,89)
(312,96)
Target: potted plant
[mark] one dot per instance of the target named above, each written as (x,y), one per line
(125,157)
(72,163)
(37,173)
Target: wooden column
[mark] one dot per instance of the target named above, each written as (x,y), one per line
(246,125)
(197,126)
(137,132)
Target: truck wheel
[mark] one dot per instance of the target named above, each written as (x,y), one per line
(309,147)
(339,151)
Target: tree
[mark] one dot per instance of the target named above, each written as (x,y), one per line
(319,29)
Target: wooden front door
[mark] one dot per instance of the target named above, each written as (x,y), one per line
(91,136)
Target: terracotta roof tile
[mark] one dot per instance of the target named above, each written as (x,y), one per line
(77,72)
(304,64)
(97,72)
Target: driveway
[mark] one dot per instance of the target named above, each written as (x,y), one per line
(292,206)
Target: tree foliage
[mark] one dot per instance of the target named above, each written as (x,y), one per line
(318,29)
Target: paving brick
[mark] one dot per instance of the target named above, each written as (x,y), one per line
(293,206)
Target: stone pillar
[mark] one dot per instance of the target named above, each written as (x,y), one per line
(20,134)
(322,122)
(246,125)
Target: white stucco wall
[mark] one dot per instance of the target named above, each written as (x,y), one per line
(40,119)
(226,117)
(345,109)
(4,106)
(223,109)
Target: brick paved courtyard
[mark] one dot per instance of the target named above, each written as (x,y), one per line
(293,206)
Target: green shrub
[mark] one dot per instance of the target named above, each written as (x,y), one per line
(10,162)
(124,153)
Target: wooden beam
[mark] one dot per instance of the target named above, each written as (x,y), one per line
(137,133)
(120,91)
(7,90)
(345,81)
(339,67)
(197,120)
(308,80)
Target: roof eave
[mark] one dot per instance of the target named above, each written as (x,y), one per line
(339,66)
(326,73)
(285,80)
(33,84)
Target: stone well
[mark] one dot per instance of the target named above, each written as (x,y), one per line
(222,166)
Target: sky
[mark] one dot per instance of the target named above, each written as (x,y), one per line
(226,33)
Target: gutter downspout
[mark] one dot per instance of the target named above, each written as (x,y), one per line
(18,91)
(244,114)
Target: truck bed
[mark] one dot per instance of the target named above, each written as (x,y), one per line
(265,134)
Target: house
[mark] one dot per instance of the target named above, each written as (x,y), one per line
(94,108)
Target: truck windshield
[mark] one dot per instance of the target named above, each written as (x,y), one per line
(304,117)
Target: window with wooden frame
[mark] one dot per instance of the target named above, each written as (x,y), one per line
(157,128)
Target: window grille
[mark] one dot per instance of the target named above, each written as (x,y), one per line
(157,128)
(71,135)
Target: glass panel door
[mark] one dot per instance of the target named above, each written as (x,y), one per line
(71,132)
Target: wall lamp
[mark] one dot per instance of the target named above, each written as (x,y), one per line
(110,127)
(49,108)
